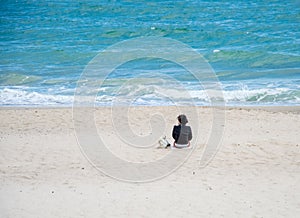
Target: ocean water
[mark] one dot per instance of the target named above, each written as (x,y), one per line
(253,47)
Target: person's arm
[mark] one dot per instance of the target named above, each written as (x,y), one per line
(175,134)
(190,134)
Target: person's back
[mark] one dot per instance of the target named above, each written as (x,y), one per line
(182,134)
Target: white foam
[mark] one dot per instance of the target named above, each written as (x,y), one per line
(10,96)
(154,95)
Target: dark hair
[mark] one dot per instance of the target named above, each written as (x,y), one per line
(182,119)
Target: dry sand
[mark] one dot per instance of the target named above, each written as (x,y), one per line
(256,172)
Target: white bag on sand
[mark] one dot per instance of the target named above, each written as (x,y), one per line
(163,142)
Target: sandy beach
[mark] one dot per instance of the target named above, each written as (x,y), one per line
(256,172)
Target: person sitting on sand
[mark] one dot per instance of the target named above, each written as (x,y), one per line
(182,133)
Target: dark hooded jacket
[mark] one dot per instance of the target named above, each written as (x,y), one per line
(182,134)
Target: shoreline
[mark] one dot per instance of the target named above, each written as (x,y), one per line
(275,108)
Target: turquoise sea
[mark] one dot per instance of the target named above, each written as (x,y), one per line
(253,47)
